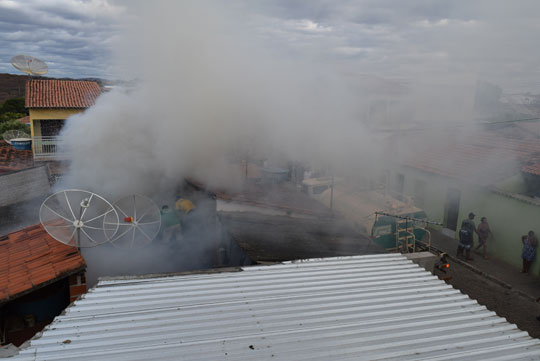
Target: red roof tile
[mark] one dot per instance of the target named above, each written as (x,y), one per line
(30,258)
(24,120)
(532,169)
(52,93)
(484,157)
(12,160)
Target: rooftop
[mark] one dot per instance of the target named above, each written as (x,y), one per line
(482,157)
(363,307)
(12,160)
(52,93)
(24,120)
(31,258)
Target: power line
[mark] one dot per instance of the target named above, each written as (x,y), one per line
(459,125)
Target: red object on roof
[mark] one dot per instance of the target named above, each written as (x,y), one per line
(52,93)
(12,160)
(31,258)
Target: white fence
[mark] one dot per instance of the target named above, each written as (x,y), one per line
(47,148)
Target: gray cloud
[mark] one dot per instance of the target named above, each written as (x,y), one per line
(73,37)
(401,40)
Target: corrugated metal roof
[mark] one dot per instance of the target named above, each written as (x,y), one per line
(363,307)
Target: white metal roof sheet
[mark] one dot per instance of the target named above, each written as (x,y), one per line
(377,307)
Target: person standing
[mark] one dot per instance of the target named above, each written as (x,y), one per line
(528,252)
(483,232)
(466,236)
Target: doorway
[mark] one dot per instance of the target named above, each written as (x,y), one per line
(452,208)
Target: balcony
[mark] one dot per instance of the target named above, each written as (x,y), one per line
(48,148)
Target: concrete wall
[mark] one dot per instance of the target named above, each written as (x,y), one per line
(509,218)
(509,215)
(24,185)
(434,191)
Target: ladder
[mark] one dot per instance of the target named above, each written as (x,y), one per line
(405,239)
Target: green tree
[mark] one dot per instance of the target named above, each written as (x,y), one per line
(10,116)
(13,124)
(14,105)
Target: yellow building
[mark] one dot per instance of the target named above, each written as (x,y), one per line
(50,102)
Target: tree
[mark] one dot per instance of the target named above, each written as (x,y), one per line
(14,105)
(10,116)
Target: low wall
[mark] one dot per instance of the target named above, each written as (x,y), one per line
(24,185)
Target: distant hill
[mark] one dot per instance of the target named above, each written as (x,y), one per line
(12,86)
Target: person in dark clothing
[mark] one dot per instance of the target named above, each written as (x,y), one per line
(483,232)
(528,252)
(466,237)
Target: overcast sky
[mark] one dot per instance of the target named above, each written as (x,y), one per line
(493,40)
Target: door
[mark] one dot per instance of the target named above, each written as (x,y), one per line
(452,208)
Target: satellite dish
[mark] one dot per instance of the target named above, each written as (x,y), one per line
(29,65)
(140,221)
(15,134)
(77,218)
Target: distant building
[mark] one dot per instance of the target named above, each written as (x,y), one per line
(50,102)
(24,120)
(39,278)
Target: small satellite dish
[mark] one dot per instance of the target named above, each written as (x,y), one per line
(140,221)
(29,65)
(77,218)
(15,134)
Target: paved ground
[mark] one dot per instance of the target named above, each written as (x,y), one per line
(499,286)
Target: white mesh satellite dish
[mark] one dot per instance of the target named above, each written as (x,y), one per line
(77,218)
(140,221)
(29,65)
(14,134)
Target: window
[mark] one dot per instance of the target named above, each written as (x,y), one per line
(51,127)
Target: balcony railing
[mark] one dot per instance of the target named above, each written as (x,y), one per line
(47,148)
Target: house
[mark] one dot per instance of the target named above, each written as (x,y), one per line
(50,102)
(39,278)
(451,172)
(375,307)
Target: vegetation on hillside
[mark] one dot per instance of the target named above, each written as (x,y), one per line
(13,106)
(10,111)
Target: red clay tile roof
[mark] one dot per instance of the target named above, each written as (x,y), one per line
(11,159)
(532,168)
(52,93)
(31,258)
(482,158)
(24,120)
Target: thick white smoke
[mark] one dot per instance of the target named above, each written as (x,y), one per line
(209,91)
